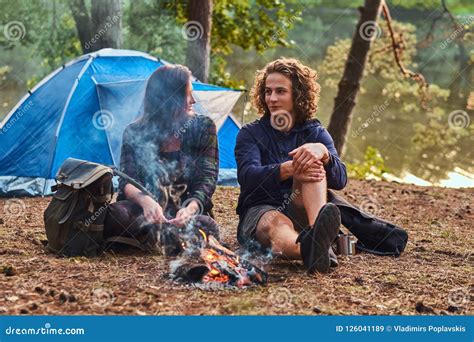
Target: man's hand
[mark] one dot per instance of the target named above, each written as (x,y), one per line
(314,173)
(306,155)
(153,212)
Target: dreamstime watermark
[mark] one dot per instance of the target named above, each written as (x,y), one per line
(14,207)
(14,31)
(23,109)
(90,220)
(46,330)
(281,31)
(370,30)
(185,127)
(280,297)
(281,120)
(370,206)
(192,30)
(103,119)
(110,21)
(459,119)
(375,113)
(457,32)
(286,202)
(460,296)
(102,297)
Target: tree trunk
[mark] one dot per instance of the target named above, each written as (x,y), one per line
(83,23)
(106,18)
(198,33)
(102,28)
(353,71)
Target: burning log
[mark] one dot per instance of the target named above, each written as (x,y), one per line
(209,262)
(191,272)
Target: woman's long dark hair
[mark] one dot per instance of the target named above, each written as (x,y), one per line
(165,105)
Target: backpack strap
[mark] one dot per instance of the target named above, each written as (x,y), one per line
(101,199)
(125,240)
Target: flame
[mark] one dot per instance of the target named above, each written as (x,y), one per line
(211,257)
(224,265)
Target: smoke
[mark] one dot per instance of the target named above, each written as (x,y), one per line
(254,253)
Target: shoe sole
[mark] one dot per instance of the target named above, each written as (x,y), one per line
(325,229)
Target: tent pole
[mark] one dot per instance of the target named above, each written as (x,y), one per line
(243,107)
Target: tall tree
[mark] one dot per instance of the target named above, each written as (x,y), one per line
(349,84)
(102,27)
(83,23)
(259,24)
(198,33)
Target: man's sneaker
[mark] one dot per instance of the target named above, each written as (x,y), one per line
(315,241)
(307,246)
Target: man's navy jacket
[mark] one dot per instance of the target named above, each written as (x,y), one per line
(261,149)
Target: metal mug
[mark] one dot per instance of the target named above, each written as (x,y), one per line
(345,244)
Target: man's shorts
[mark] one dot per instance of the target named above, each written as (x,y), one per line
(247,227)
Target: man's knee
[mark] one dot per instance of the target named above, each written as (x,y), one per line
(270,222)
(274,219)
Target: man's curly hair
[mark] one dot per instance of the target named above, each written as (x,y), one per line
(305,89)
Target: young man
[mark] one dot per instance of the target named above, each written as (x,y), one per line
(286,161)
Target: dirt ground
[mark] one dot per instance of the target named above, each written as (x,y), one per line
(433,276)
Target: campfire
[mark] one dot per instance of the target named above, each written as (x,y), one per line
(203,259)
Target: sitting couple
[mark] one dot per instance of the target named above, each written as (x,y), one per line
(286,161)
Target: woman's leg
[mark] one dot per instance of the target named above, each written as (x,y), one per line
(124,218)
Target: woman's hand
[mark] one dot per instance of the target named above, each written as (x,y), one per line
(185,214)
(314,173)
(153,212)
(306,155)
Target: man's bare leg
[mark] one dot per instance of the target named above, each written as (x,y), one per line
(311,196)
(276,231)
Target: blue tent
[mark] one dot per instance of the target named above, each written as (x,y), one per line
(81,110)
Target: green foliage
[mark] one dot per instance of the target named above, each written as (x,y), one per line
(380,63)
(373,166)
(21,19)
(434,137)
(457,7)
(4,70)
(260,24)
(48,31)
(151,27)
(59,46)
(154,27)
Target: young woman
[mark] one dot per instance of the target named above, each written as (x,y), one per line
(171,151)
(286,161)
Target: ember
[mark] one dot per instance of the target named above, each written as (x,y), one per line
(210,262)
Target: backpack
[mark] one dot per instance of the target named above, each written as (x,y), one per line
(74,219)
